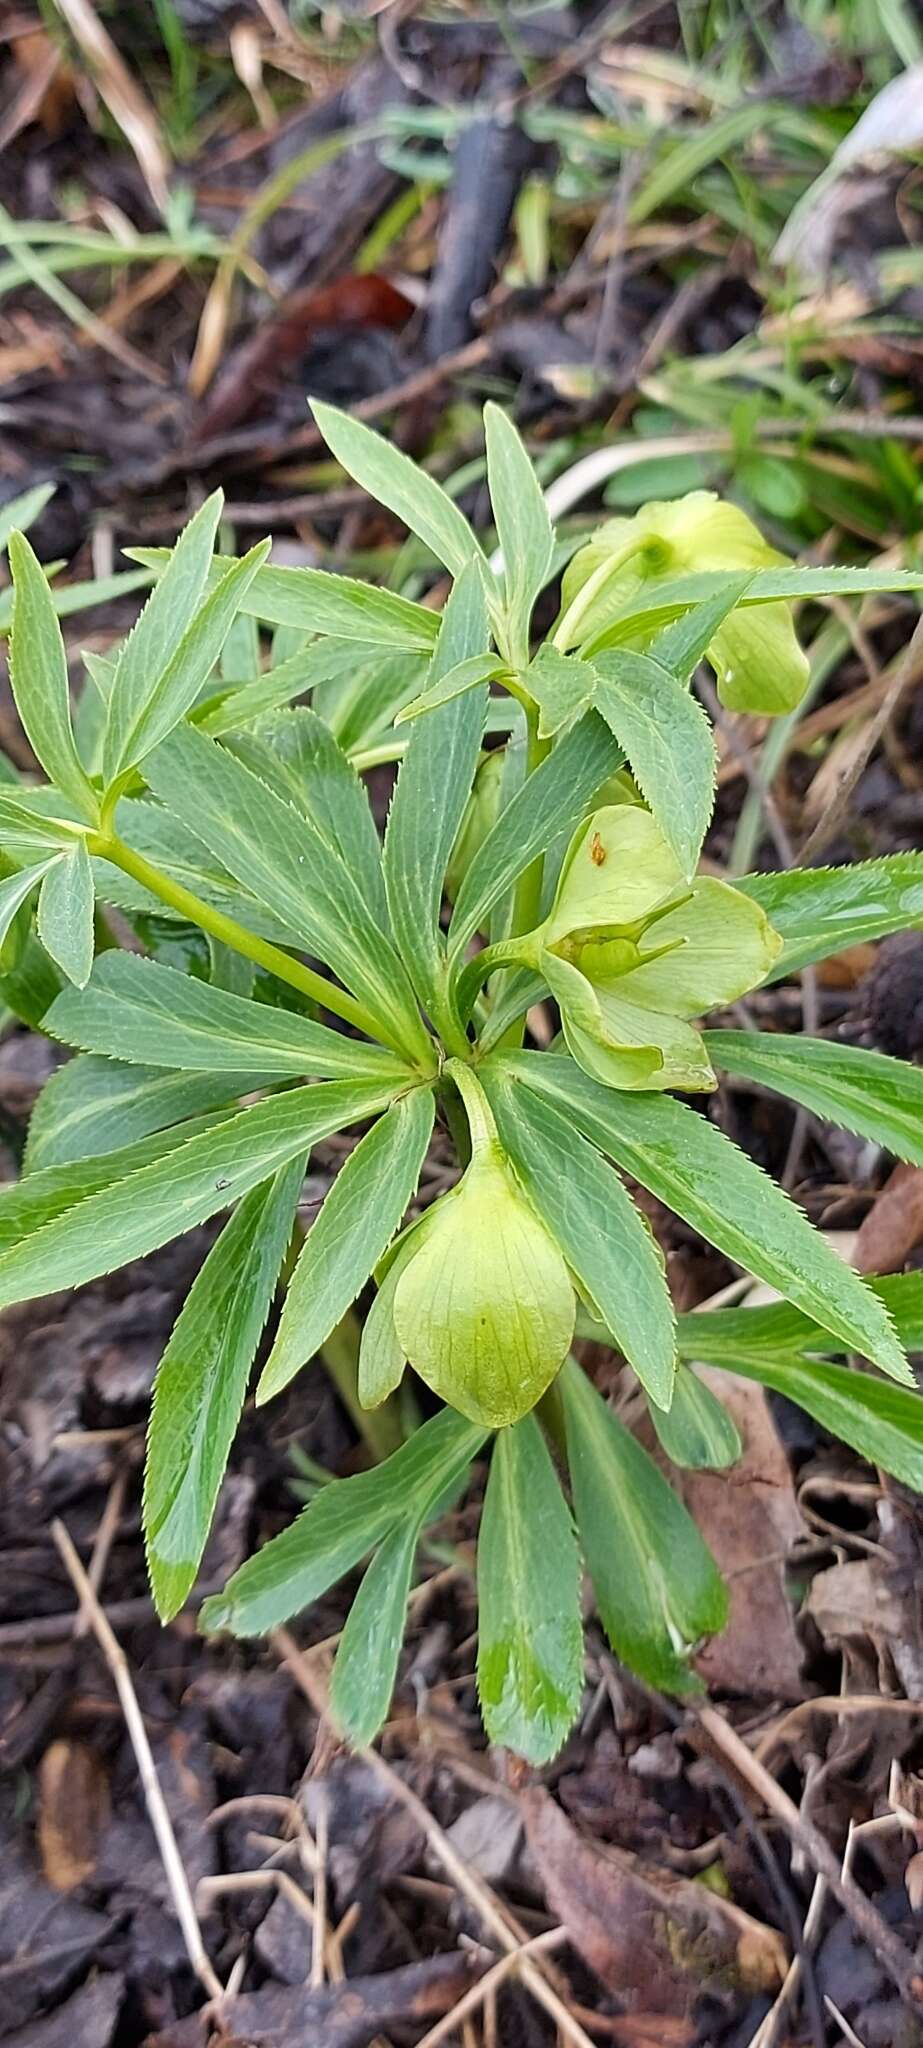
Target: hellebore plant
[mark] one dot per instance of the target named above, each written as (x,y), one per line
(291,975)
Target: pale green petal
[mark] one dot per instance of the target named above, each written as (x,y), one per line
(729,948)
(617,872)
(671,537)
(755,654)
(704,531)
(627,1025)
(612,539)
(618,1066)
(485,1309)
(758,661)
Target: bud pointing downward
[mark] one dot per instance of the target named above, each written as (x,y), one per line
(485,1309)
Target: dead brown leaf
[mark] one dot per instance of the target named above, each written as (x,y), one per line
(862,1602)
(340,2015)
(894,1224)
(749,1518)
(47,90)
(641,1929)
(73,1808)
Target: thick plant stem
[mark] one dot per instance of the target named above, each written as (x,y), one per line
(477,1108)
(379,1428)
(262,951)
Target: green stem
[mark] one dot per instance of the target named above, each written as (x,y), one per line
(506,953)
(379,1428)
(477,1108)
(262,951)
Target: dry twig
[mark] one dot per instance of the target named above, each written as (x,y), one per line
(900,1964)
(471,1886)
(161,1823)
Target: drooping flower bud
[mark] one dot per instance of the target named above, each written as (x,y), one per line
(485,1308)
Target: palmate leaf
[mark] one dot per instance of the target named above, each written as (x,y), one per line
(668,742)
(38,675)
(880,1098)
(370,1646)
(341,1525)
(689,1164)
(552,802)
(880,1421)
(45,1196)
(65,914)
(530,1632)
(154,639)
(781,1348)
(291,867)
(92,1106)
(660,600)
(138,720)
(201,1382)
(717,1336)
(696,1431)
(16,889)
(135,1213)
(296,754)
(18,514)
(595,1222)
(524,530)
(657,1586)
(317,601)
(429,802)
(357,1221)
(394,480)
(820,911)
(136,1010)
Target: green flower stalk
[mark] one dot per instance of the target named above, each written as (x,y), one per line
(632,953)
(478,1297)
(758,663)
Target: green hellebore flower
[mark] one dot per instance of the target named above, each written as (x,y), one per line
(632,953)
(484,1307)
(755,654)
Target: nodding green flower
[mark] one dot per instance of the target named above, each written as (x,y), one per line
(755,654)
(632,953)
(478,1297)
